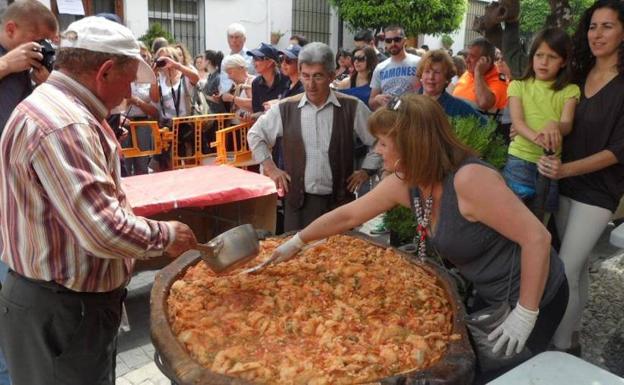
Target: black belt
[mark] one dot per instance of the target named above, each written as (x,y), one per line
(324,196)
(53,287)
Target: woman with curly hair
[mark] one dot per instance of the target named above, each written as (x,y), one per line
(592,164)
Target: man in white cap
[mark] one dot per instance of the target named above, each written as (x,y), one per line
(70,237)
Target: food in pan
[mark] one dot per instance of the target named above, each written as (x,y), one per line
(343,312)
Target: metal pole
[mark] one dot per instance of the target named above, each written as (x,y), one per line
(340,32)
(171,17)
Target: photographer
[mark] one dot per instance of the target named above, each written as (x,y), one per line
(24,24)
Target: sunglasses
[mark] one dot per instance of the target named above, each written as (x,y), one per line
(258,58)
(396,39)
(359,58)
(287,60)
(394,103)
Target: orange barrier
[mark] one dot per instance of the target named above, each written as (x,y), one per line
(239,154)
(198,123)
(164,138)
(161,138)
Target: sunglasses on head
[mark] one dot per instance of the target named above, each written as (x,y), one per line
(359,58)
(396,39)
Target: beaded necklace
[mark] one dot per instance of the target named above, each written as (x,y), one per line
(423,217)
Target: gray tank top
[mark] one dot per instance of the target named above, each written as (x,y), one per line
(481,254)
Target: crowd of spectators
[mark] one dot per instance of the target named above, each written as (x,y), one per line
(323,126)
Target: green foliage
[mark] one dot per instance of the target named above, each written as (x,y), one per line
(416,16)
(533,14)
(496,152)
(401,220)
(447,41)
(155,30)
(482,139)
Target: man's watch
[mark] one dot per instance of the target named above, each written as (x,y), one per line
(369,172)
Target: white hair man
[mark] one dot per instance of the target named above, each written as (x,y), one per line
(70,236)
(236,38)
(319,127)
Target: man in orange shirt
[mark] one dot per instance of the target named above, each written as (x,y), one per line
(482,84)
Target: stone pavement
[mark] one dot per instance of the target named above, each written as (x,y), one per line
(135,359)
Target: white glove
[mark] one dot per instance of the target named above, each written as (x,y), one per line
(515,330)
(287,250)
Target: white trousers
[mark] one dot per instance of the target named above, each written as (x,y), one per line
(579,226)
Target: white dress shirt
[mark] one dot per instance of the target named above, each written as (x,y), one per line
(316,131)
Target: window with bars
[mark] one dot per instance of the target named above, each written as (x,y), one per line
(311,18)
(184,19)
(476,8)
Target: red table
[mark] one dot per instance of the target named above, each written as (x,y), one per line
(210,199)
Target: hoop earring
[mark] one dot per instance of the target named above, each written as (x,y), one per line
(396,170)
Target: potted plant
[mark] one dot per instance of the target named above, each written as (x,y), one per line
(447,41)
(276,36)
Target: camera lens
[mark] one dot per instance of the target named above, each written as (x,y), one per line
(49,54)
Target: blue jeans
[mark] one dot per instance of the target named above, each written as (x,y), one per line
(4,373)
(521,177)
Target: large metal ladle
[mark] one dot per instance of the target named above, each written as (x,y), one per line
(230,249)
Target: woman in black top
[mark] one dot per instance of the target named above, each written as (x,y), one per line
(592,169)
(212,60)
(488,233)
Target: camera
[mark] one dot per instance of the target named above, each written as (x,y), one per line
(49,54)
(160,63)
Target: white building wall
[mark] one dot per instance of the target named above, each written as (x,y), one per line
(135,12)
(259,17)
(459,36)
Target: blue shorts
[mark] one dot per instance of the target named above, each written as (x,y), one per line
(521,177)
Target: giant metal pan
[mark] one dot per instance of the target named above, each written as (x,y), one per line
(455,368)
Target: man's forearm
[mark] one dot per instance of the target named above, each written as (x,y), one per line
(372,161)
(268,165)
(4,68)
(485,97)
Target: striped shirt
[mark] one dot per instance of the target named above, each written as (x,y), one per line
(64,217)
(316,130)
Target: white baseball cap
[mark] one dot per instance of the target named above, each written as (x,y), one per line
(98,34)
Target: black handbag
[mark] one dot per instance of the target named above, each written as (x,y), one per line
(483,322)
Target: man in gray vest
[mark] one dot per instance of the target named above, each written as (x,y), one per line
(318,131)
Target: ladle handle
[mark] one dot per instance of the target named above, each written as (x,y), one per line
(207,249)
